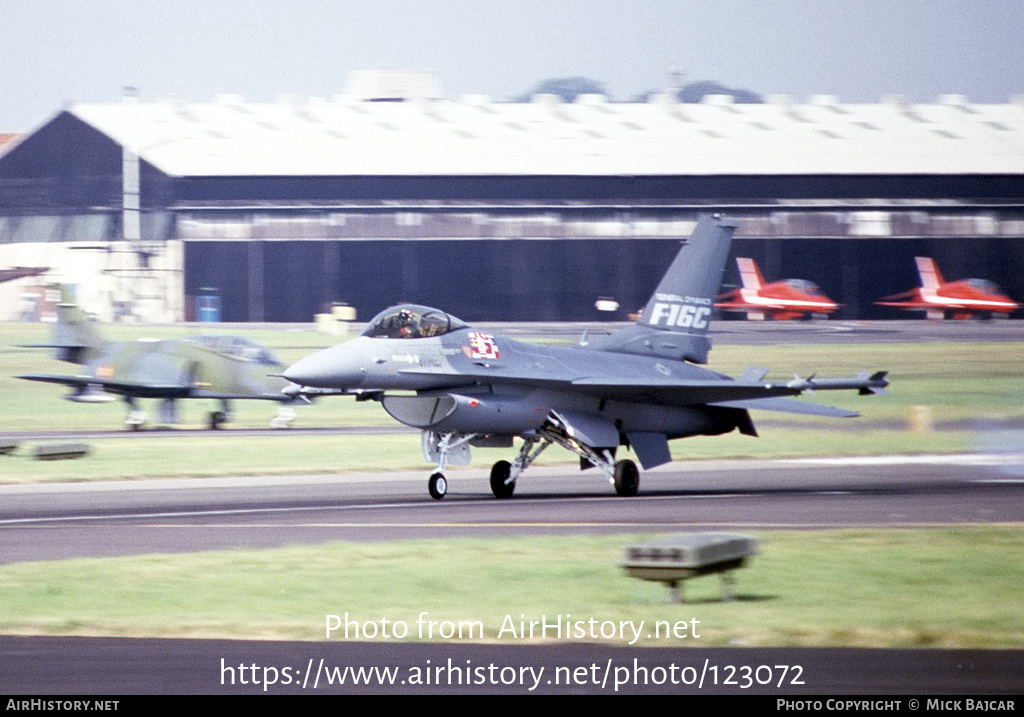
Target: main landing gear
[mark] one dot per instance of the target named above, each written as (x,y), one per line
(623,475)
(626,478)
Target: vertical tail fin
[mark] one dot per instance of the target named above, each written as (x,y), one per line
(74,335)
(929,272)
(675,321)
(750,275)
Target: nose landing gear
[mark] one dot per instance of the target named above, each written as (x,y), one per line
(437,486)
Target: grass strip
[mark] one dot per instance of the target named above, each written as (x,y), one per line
(942,588)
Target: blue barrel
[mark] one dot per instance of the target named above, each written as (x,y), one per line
(208,307)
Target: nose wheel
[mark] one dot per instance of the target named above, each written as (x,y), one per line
(438,486)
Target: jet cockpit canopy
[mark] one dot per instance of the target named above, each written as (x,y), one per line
(409,321)
(805,287)
(985,286)
(236,347)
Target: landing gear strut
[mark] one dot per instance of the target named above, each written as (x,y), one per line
(136,416)
(504,474)
(623,475)
(283,419)
(437,486)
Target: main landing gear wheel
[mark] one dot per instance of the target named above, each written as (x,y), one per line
(438,486)
(500,484)
(627,478)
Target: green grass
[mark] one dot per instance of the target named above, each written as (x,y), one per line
(953,588)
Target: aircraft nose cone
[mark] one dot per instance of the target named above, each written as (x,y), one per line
(331,368)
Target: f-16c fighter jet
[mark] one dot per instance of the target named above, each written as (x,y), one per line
(637,387)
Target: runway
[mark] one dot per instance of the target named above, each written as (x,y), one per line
(157,516)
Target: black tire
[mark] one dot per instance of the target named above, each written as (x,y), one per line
(217,419)
(627,478)
(438,486)
(499,475)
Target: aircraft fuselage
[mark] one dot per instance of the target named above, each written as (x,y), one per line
(450,376)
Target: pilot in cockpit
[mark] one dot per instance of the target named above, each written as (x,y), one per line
(405,326)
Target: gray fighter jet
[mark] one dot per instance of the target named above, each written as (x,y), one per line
(637,387)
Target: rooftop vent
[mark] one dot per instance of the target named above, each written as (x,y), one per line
(718,100)
(393,85)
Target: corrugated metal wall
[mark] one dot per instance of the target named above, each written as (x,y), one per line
(557,279)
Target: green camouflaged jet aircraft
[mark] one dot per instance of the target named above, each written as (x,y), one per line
(214,367)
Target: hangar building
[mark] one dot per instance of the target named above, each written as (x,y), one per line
(501,211)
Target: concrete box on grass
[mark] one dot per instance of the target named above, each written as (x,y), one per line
(689,555)
(61,451)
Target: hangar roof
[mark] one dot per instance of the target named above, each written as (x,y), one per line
(589,137)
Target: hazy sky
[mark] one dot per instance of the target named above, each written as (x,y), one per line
(60,51)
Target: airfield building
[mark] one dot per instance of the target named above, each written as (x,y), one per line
(500,211)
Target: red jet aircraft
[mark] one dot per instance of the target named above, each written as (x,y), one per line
(964,299)
(780,300)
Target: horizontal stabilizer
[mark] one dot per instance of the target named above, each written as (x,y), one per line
(69,351)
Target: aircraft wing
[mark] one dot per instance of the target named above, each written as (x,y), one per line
(683,393)
(742,393)
(764,396)
(149,390)
(118,387)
